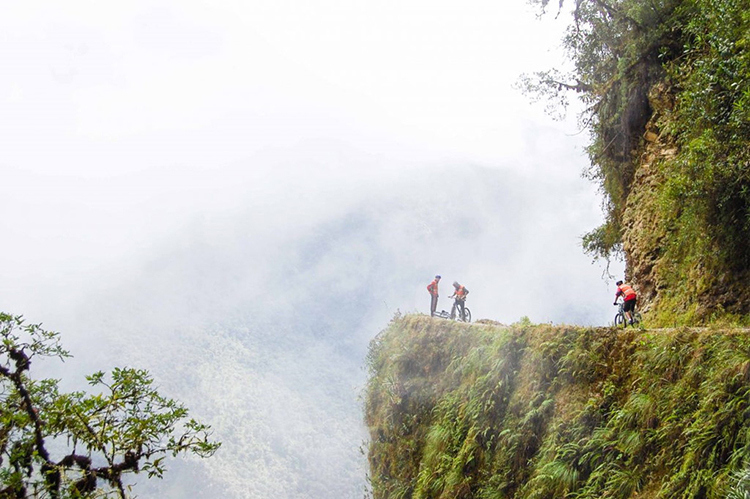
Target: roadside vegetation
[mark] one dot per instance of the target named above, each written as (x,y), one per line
(534,411)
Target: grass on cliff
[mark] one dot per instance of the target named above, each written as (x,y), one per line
(491,412)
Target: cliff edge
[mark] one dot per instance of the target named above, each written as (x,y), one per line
(537,411)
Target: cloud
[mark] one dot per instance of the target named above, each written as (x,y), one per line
(238,196)
(259,318)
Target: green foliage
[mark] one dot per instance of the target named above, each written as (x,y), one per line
(617,49)
(694,53)
(605,241)
(459,411)
(707,188)
(79,444)
(741,488)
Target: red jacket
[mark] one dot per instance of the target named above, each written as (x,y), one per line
(627,291)
(433,287)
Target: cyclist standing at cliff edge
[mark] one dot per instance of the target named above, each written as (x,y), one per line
(629,299)
(433,289)
(459,294)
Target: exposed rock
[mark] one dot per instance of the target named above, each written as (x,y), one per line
(643,228)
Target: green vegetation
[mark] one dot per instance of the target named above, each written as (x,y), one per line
(492,412)
(78,445)
(536,412)
(666,84)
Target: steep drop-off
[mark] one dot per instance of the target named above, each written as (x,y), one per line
(537,411)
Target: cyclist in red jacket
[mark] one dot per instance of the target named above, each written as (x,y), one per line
(460,303)
(629,297)
(433,289)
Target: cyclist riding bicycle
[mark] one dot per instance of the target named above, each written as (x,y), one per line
(629,297)
(460,295)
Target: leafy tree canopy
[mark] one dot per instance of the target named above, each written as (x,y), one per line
(79,444)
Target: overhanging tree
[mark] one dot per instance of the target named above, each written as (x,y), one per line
(79,445)
(618,49)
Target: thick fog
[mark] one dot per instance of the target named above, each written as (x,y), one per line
(239,197)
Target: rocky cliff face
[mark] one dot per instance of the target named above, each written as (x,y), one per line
(666,88)
(644,227)
(673,236)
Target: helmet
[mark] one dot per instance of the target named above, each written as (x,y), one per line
(456,284)
(437,276)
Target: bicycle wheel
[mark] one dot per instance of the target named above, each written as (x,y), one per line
(620,320)
(467,315)
(637,319)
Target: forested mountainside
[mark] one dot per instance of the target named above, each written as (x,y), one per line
(486,411)
(666,88)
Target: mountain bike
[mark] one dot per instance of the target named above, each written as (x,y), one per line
(466,316)
(622,321)
(444,314)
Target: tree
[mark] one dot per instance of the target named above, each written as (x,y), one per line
(79,445)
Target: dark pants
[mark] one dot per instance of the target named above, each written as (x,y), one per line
(629,305)
(460,304)
(433,304)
